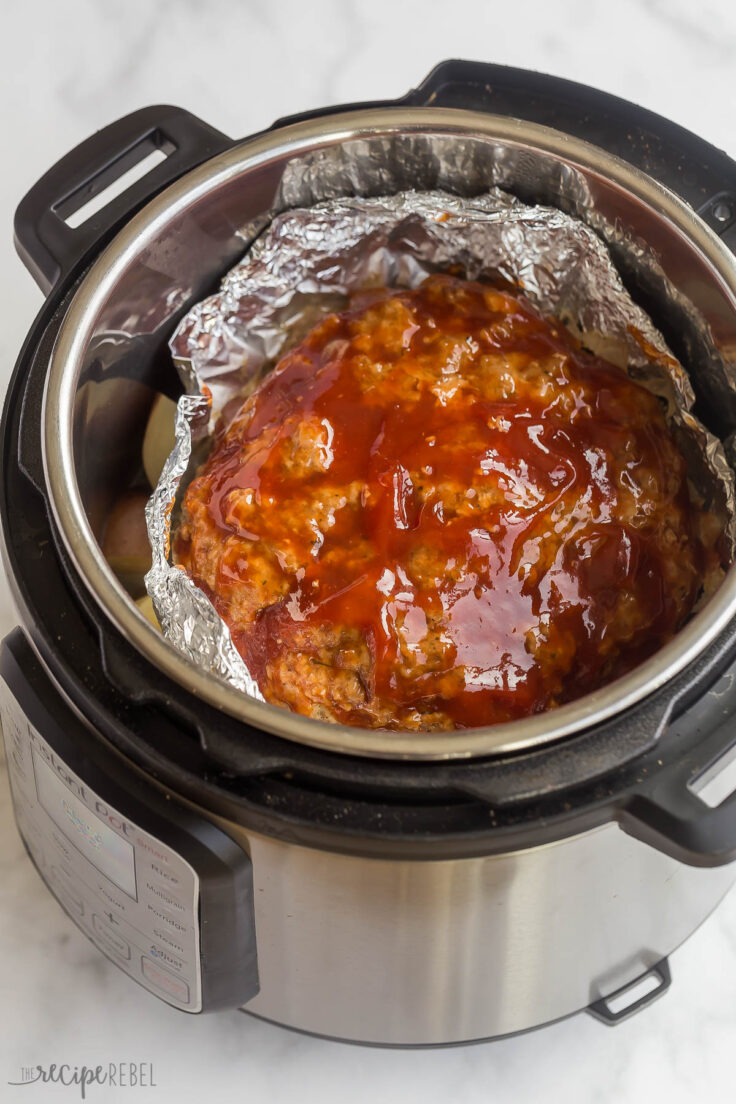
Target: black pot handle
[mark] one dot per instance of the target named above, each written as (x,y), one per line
(666,809)
(601,1009)
(701,174)
(720,214)
(47,245)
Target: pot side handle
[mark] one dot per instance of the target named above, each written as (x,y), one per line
(700,173)
(677,808)
(48,246)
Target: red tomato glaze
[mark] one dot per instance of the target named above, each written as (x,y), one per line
(438,511)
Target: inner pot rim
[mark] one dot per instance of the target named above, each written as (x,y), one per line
(71,518)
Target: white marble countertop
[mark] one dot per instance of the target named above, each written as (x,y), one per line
(69,69)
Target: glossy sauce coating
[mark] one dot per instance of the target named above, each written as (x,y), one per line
(437,511)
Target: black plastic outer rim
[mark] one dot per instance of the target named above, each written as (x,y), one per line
(679,159)
(524,800)
(524,804)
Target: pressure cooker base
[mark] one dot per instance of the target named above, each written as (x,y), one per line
(428,953)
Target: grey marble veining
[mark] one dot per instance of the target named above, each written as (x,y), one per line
(69,69)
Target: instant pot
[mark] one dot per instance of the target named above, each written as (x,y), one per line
(389,888)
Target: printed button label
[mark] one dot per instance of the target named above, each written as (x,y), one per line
(175,924)
(164,895)
(175,987)
(110,938)
(65,894)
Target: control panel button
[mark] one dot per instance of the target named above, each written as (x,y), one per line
(161,979)
(165,958)
(18,763)
(175,925)
(33,845)
(71,901)
(165,875)
(110,901)
(165,895)
(171,943)
(109,938)
(66,852)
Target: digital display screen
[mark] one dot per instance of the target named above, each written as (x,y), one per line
(105,849)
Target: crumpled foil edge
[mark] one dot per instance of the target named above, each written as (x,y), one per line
(307,259)
(202,632)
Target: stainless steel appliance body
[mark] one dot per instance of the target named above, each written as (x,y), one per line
(394,947)
(384,888)
(448,951)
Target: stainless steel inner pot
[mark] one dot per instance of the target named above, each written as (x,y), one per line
(171,254)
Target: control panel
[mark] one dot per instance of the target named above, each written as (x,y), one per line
(137,897)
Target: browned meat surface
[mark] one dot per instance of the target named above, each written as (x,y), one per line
(439,512)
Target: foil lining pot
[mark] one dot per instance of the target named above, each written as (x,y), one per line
(308,261)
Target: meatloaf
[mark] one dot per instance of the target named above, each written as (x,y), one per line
(439,511)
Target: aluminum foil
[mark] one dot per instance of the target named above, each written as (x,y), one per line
(186,615)
(309,260)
